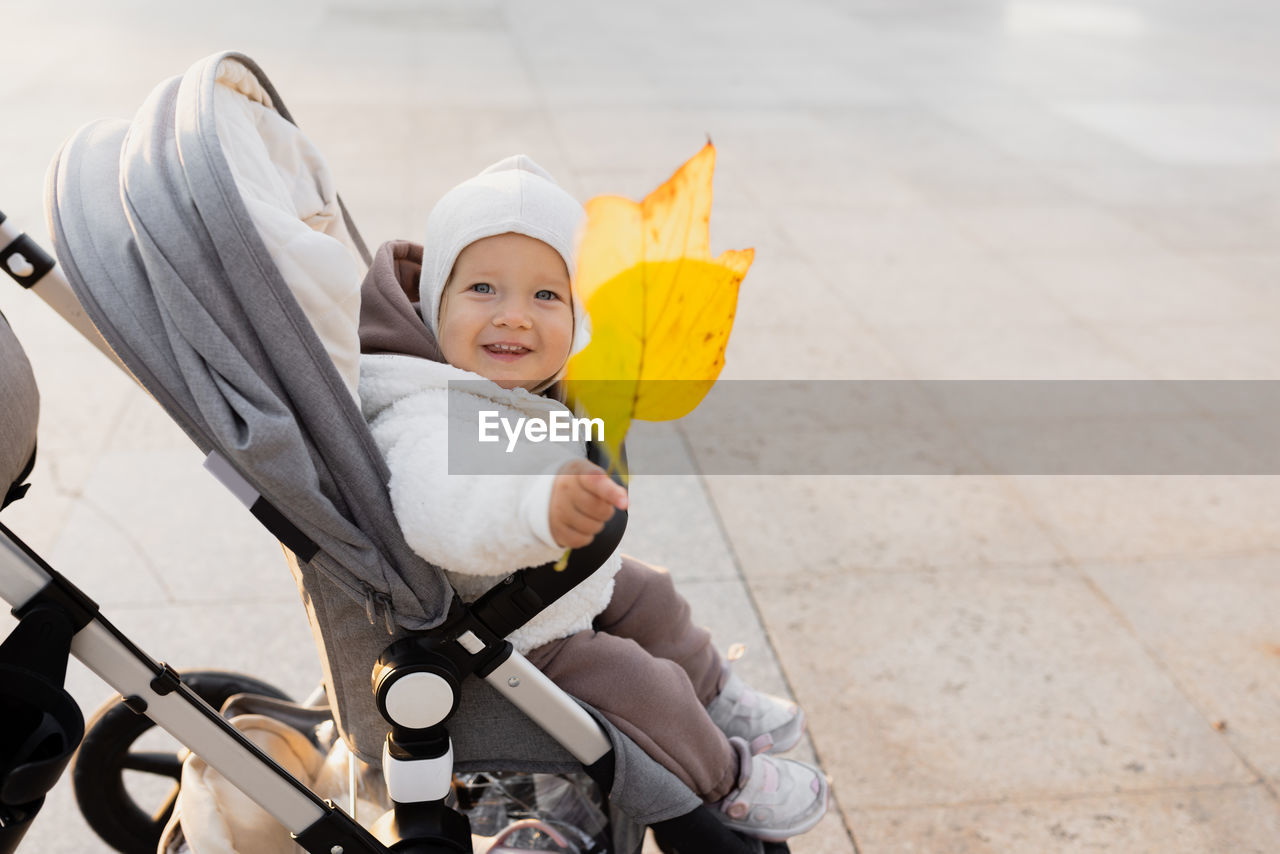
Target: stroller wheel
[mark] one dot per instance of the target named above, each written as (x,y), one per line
(98,773)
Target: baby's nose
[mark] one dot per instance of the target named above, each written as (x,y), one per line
(514,318)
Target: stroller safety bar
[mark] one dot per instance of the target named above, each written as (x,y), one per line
(536,695)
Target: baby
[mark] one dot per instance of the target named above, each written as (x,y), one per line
(497,303)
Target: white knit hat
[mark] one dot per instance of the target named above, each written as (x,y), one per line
(514,195)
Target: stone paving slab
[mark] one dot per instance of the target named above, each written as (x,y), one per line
(1232,818)
(970,684)
(203,547)
(876,523)
(1222,664)
(1133,518)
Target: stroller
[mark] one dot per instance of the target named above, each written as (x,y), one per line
(184,235)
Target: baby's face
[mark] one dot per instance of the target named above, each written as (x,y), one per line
(506,312)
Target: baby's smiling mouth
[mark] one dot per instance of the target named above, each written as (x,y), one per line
(506,350)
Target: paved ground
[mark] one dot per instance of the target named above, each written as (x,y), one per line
(978,190)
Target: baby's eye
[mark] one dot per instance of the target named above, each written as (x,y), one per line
(482,288)
(546,294)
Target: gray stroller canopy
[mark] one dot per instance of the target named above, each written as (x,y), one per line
(157,241)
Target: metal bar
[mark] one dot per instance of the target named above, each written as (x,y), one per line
(180,713)
(21,578)
(187,719)
(56,291)
(550,708)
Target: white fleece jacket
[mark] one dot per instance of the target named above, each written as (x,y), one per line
(479,528)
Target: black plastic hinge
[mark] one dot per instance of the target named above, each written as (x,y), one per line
(24,261)
(335,831)
(491,660)
(166,681)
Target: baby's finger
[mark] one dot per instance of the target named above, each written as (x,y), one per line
(573,540)
(606,490)
(590,507)
(582,529)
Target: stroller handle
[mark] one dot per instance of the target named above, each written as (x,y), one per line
(35,270)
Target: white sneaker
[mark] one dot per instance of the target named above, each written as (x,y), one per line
(767,723)
(775,798)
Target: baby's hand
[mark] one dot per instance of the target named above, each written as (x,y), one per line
(582,500)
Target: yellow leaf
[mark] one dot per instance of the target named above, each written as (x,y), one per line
(661,307)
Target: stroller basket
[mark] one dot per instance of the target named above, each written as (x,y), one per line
(179,233)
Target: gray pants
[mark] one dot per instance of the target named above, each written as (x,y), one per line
(651,672)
